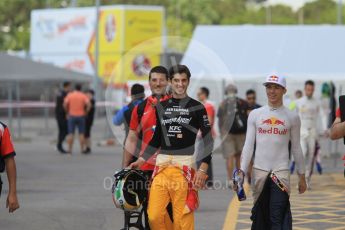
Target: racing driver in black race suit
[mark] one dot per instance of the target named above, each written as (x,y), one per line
(175,179)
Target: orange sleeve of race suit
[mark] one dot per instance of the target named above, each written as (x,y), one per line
(134,123)
(338,114)
(7,148)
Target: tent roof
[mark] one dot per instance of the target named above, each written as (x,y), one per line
(16,68)
(247,52)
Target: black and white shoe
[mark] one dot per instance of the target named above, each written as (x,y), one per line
(61,150)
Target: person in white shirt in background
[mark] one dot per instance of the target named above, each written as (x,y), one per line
(292,107)
(310,112)
(292,104)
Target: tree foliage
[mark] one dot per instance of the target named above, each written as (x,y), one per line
(182,16)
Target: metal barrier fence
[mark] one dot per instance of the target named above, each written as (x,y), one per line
(15,113)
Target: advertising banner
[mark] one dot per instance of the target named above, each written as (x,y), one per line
(67,38)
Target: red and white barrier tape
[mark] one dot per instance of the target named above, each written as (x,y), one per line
(42,104)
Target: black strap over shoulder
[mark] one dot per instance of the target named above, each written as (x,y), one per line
(141,109)
(128,112)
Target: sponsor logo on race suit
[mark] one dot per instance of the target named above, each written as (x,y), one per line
(175,129)
(178,120)
(275,126)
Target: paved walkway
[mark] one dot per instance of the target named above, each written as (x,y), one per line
(59,192)
(322,208)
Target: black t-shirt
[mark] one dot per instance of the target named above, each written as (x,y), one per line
(178,122)
(91,114)
(59,110)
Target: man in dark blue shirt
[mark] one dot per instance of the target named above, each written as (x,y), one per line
(60,115)
(123,116)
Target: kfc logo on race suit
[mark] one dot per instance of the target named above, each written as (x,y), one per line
(175,129)
(275,126)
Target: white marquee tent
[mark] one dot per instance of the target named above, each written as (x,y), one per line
(247,54)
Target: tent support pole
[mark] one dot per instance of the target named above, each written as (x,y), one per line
(19,112)
(46,113)
(223,88)
(9,109)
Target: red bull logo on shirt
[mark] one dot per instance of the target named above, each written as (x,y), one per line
(274,123)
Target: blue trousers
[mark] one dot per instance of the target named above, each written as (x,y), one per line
(278,205)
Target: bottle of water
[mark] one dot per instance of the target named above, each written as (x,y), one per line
(238,180)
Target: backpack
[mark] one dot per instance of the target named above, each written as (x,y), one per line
(141,108)
(237,111)
(128,114)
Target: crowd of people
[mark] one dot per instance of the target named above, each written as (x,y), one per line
(171,136)
(74,110)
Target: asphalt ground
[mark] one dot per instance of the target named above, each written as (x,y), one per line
(74,192)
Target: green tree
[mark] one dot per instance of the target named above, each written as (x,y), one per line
(283,15)
(320,12)
(182,16)
(15,21)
